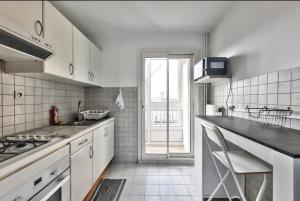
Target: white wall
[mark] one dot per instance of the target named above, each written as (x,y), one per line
(121,57)
(259,37)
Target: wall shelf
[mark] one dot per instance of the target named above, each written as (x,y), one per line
(212,79)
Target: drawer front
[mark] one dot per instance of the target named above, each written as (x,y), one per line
(81,142)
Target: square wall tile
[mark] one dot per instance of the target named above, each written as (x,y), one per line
(285,75)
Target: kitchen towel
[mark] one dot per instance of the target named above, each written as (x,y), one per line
(120,101)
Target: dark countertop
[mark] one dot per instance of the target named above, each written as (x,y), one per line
(283,140)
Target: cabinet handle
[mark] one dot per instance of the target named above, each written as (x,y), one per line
(89,75)
(91,152)
(106,132)
(92,76)
(38,26)
(82,142)
(71,69)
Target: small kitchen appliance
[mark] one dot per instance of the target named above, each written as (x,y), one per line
(211,66)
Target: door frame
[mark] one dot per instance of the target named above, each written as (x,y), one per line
(167,53)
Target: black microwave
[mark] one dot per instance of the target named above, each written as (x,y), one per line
(211,66)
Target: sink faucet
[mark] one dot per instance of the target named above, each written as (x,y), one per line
(79,109)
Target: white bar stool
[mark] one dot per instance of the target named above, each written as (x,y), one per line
(236,162)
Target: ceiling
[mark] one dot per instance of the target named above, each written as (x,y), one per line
(115,18)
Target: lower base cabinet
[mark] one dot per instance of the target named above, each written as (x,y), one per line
(103,143)
(81,175)
(92,153)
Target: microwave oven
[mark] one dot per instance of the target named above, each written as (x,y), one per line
(211,66)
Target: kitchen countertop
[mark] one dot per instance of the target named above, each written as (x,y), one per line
(66,134)
(283,140)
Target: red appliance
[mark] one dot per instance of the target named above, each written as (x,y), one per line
(54,115)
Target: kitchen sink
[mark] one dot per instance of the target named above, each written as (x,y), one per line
(77,123)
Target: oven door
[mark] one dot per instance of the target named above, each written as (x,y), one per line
(57,190)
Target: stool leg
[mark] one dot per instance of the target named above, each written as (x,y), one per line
(216,166)
(219,185)
(237,183)
(262,188)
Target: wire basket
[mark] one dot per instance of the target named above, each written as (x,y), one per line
(94,114)
(269,116)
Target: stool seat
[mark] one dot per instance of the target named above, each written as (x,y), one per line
(243,162)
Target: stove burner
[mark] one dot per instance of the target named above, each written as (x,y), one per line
(21,145)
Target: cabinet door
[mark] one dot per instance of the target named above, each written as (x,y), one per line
(92,67)
(99,152)
(26,14)
(111,149)
(58,32)
(81,59)
(81,173)
(98,61)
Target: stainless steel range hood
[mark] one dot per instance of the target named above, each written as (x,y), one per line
(16,44)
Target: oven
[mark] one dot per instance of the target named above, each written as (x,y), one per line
(57,190)
(48,179)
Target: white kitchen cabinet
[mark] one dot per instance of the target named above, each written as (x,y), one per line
(93,64)
(99,152)
(98,67)
(94,70)
(111,140)
(81,58)
(26,14)
(103,144)
(81,172)
(58,31)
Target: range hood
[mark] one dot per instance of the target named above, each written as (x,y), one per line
(16,44)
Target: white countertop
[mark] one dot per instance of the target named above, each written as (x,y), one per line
(70,133)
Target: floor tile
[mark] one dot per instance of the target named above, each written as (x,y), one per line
(192,189)
(138,189)
(195,198)
(189,180)
(152,171)
(176,171)
(126,190)
(178,180)
(181,190)
(167,198)
(165,179)
(164,171)
(139,179)
(152,179)
(141,171)
(124,198)
(166,190)
(152,198)
(183,198)
(152,190)
(136,198)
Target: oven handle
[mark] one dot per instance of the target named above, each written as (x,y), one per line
(49,190)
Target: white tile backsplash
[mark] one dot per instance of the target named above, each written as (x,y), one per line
(285,75)
(284,87)
(273,77)
(276,89)
(31,110)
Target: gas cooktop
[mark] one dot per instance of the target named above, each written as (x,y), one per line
(11,146)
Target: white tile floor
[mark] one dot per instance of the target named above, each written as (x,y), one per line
(152,182)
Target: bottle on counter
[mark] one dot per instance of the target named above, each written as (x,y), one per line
(53,115)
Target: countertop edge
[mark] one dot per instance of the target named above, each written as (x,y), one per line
(296,156)
(34,157)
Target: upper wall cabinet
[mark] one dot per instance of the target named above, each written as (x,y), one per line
(94,71)
(58,30)
(27,14)
(81,58)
